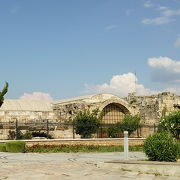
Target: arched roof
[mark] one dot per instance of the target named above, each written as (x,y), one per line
(25,105)
(101,99)
(89,99)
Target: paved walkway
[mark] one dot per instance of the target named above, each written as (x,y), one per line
(68,166)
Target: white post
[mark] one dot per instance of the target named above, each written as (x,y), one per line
(126,146)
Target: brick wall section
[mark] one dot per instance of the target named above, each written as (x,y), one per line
(86,142)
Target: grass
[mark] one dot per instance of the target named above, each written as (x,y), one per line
(78,148)
(15,146)
(2,147)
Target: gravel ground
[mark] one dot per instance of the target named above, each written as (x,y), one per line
(70,166)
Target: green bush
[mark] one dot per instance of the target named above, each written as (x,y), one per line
(113,131)
(3,147)
(130,123)
(27,135)
(161,147)
(15,146)
(171,123)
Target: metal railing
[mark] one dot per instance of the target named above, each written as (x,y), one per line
(46,127)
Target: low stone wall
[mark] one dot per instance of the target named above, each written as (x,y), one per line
(86,142)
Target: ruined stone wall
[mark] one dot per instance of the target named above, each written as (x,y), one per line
(8,120)
(25,116)
(152,108)
(67,112)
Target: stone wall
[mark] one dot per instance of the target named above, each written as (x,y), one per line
(150,109)
(66,110)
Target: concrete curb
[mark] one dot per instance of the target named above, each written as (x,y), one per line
(145,167)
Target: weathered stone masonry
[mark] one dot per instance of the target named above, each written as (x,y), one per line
(150,109)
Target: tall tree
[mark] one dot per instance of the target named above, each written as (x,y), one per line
(2,93)
(86,123)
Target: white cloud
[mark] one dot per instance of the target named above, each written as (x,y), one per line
(165,14)
(162,8)
(165,63)
(37,96)
(165,69)
(120,85)
(148,4)
(171,12)
(174,90)
(157,20)
(177,43)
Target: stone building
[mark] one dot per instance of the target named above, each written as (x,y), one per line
(113,108)
(23,111)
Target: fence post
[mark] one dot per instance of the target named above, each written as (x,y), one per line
(16,126)
(137,130)
(47,128)
(126,146)
(154,128)
(73,131)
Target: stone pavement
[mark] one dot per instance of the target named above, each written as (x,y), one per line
(69,166)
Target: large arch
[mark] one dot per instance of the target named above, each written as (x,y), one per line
(113,111)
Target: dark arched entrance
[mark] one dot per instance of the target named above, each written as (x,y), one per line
(113,113)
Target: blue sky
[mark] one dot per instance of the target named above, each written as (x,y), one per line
(68,48)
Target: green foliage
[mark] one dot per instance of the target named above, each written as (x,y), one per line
(15,146)
(86,123)
(171,123)
(20,135)
(27,135)
(11,135)
(113,131)
(3,147)
(130,123)
(79,148)
(2,93)
(161,147)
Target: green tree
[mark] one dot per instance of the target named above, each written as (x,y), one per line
(171,123)
(113,131)
(86,123)
(2,93)
(130,123)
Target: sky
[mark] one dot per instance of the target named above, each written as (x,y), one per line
(57,49)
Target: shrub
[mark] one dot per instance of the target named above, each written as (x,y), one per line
(15,146)
(161,147)
(130,123)
(171,123)
(3,147)
(11,135)
(113,131)
(27,135)
(20,135)
(86,123)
